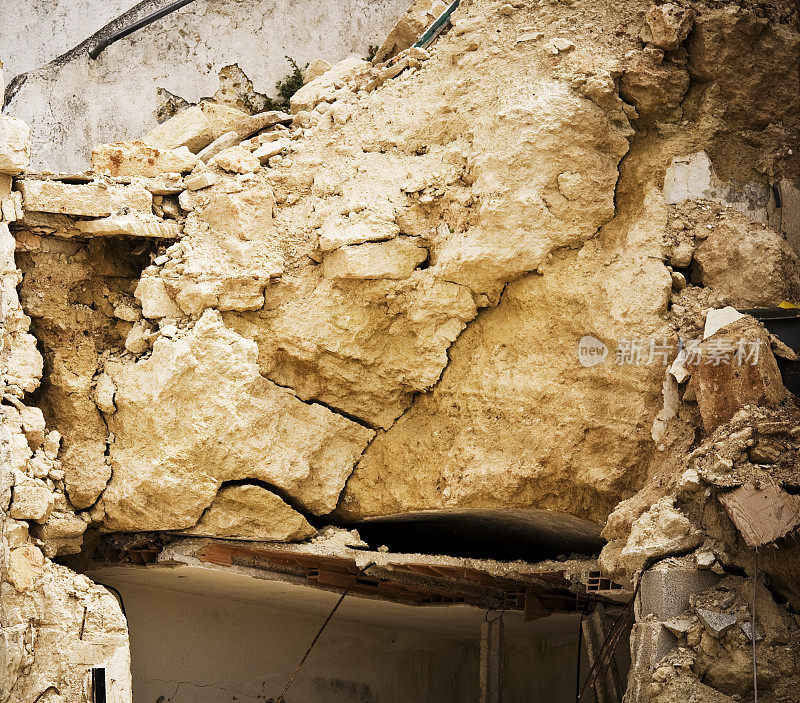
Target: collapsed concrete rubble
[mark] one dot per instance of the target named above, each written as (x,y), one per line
(250,327)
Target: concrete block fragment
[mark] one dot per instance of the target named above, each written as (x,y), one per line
(394,259)
(665,590)
(228,139)
(716,623)
(130,227)
(262,120)
(128,159)
(15,145)
(156,302)
(31,502)
(91,200)
(236,159)
(202,180)
(688,178)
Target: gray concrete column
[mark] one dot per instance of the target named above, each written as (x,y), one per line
(492,659)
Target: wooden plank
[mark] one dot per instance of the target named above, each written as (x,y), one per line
(762,513)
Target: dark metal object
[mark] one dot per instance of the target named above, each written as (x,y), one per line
(99,684)
(130,29)
(437,27)
(785,325)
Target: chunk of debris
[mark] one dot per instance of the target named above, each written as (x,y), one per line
(236,159)
(128,159)
(394,259)
(715,622)
(196,127)
(762,513)
(667,25)
(251,513)
(83,200)
(732,368)
(15,145)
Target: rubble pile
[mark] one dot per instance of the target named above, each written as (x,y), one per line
(248,325)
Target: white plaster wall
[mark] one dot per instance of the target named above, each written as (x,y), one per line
(82,102)
(33,32)
(221,647)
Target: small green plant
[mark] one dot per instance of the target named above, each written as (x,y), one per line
(373,49)
(286,88)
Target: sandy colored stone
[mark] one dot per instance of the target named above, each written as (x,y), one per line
(661,531)
(15,145)
(61,618)
(128,159)
(227,140)
(652,85)
(251,513)
(749,377)
(156,302)
(235,250)
(410,27)
(248,126)
(236,159)
(396,258)
(182,415)
(198,181)
(128,227)
(321,89)
(667,25)
(515,420)
(84,200)
(749,265)
(195,127)
(31,501)
(24,365)
(315,69)
(25,566)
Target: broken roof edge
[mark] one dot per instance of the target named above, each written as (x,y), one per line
(418,579)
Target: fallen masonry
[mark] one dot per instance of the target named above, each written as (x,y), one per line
(474,368)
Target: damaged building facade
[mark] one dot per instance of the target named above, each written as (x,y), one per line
(467,373)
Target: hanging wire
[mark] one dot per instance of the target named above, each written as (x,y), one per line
(753,628)
(279,699)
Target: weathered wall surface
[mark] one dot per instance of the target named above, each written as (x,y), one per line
(54,624)
(43,29)
(183,54)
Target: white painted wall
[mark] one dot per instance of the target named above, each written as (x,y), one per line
(34,32)
(74,105)
(188,626)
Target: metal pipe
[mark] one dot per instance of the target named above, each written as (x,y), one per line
(437,27)
(130,29)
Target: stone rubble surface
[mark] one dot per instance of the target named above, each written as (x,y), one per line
(374,305)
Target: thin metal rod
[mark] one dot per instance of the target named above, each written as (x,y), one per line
(437,27)
(753,628)
(130,29)
(279,699)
